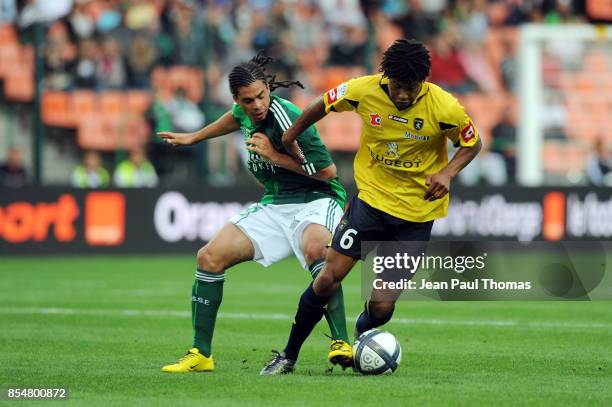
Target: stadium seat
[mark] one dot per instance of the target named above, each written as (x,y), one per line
(596,61)
(96,134)
(341,131)
(55,109)
(498,43)
(559,157)
(9,58)
(486,110)
(107,134)
(19,86)
(83,105)
(138,101)
(112,103)
(7,33)
(334,75)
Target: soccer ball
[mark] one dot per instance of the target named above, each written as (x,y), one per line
(376,352)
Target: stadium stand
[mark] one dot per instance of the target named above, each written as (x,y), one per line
(104,118)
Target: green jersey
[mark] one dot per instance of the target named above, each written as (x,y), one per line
(284,186)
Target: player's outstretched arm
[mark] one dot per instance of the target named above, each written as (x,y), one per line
(260,144)
(439,184)
(314,112)
(224,125)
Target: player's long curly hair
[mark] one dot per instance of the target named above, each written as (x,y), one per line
(406,61)
(255,70)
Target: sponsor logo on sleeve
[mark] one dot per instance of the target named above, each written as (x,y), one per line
(337,93)
(468,132)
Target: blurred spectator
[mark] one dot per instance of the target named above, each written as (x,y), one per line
(81,22)
(508,66)
(307,26)
(140,14)
(59,58)
(554,116)
(474,25)
(263,33)
(85,72)
(43,11)
(523,11)
(417,23)
(185,115)
(188,37)
(141,59)
(91,173)
(12,171)
(599,164)
(135,172)
(446,68)
(562,13)
(504,142)
(8,11)
(111,70)
(347,32)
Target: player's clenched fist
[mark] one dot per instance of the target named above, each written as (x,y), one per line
(260,144)
(177,139)
(438,185)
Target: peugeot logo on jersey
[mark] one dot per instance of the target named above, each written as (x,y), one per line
(418,123)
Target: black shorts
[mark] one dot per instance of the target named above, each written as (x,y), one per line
(363,223)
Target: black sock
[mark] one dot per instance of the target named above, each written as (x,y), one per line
(309,313)
(367,321)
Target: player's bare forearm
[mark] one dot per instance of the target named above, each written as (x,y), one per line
(314,112)
(461,158)
(224,125)
(438,185)
(290,163)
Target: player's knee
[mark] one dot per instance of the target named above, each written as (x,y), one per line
(381,310)
(314,251)
(210,261)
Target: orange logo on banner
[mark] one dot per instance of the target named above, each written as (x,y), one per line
(104,218)
(554,216)
(23,221)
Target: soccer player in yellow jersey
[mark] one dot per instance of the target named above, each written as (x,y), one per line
(402,173)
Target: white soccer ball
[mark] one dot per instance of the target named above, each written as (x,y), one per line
(376,352)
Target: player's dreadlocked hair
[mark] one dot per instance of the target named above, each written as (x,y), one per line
(255,70)
(406,61)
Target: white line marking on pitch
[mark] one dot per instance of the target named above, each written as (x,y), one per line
(283,317)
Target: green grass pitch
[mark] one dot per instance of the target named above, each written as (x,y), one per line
(104,326)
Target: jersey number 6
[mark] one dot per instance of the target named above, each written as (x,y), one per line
(346,242)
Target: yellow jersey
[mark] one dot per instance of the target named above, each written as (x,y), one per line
(398,149)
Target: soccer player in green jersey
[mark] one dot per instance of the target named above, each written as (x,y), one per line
(301,206)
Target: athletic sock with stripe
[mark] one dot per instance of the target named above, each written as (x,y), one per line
(334,312)
(206,297)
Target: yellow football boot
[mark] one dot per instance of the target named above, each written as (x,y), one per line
(341,353)
(193,361)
